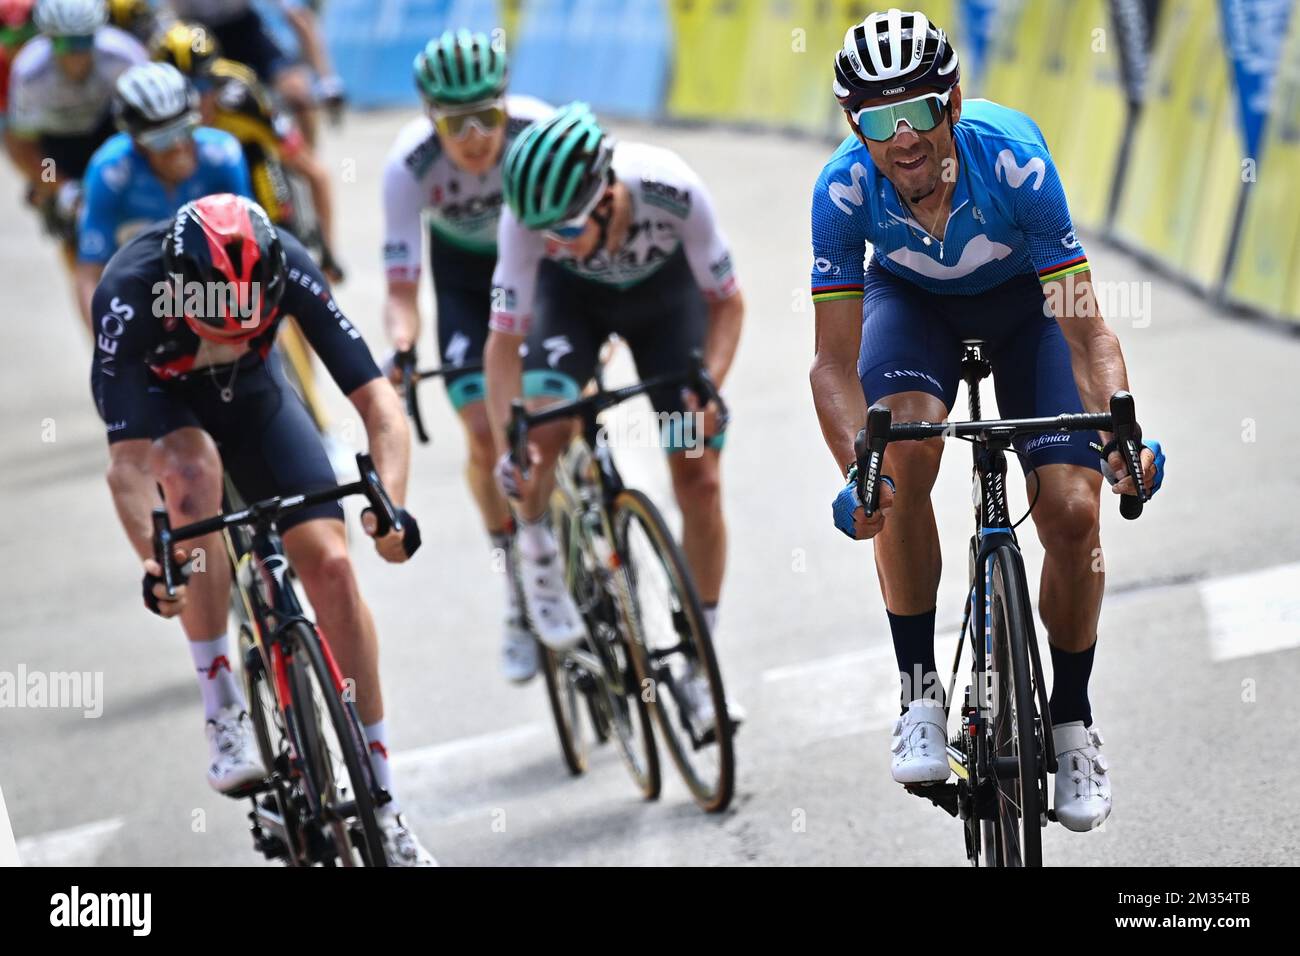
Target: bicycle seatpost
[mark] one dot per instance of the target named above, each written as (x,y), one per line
(869,446)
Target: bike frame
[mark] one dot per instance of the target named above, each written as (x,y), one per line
(993,531)
(272,608)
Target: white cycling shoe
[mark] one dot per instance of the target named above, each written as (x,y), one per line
(699,704)
(401,846)
(1082,785)
(551,611)
(920,744)
(232,746)
(519,652)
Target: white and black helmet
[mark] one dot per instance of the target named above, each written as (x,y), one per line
(70,18)
(893,53)
(154,95)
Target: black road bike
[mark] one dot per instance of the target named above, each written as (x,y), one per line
(646,634)
(317,803)
(1004,751)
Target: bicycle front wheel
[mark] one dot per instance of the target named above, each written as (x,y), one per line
(1013,729)
(333,749)
(674,652)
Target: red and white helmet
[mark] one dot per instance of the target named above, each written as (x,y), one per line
(229,247)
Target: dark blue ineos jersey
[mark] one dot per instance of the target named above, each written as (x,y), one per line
(140,346)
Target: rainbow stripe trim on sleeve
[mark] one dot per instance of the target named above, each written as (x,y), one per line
(829,293)
(1062,269)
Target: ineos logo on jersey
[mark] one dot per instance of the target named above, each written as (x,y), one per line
(825,265)
(1070,240)
(111,326)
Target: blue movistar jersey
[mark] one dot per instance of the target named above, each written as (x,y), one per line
(122,194)
(1009,215)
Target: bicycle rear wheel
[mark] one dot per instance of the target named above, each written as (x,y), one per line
(334,753)
(671,645)
(1013,731)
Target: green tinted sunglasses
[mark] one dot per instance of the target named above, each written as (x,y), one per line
(880,123)
(78,44)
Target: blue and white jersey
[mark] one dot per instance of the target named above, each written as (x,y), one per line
(1009,215)
(122,194)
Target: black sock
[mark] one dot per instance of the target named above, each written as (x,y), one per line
(914,649)
(1070,673)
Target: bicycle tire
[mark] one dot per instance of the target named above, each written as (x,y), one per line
(713,794)
(347,730)
(560,690)
(564,711)
(1012,721)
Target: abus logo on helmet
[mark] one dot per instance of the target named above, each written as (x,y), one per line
(897,89)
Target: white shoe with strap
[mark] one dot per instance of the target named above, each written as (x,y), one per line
(235,763)
(920,745)
(1082,777)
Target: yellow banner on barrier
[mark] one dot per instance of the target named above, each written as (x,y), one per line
(780,80)
(710,37)
(1057,62)
(1183,175)
(1264,274)
(509,13)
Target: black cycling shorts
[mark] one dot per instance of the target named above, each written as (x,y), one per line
(462,289)
(71,152)
(268,443)
(663,319)
(912,340)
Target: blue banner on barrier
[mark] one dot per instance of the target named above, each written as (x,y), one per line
(373,41)
(977,21)
(612,53)
(1254,32)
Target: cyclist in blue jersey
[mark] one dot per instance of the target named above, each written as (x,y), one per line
(970,237)
(159,161)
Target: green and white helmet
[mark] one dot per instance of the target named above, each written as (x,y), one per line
(556,168)
(460,67)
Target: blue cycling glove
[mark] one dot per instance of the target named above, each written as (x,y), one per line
(846,503)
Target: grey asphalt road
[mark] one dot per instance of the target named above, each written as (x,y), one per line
(1193,686)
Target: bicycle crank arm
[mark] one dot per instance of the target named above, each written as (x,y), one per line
(942,795)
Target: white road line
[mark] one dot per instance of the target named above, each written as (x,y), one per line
(833,663)
(433,754)
(1253,613)
(75,846)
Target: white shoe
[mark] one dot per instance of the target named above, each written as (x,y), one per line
(551,611)
(232,746)
(519,652)
(1082,785)
(699,703)
(920,744)
(401,846)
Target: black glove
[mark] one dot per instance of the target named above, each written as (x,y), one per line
(150,599)
(410,529)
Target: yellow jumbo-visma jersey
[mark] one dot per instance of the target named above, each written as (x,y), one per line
(245,110)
